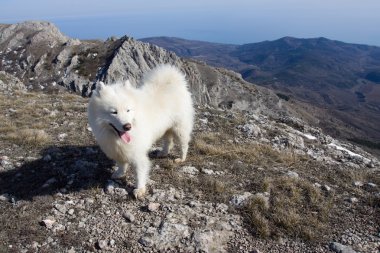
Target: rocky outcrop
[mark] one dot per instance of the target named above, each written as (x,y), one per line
(41,56)
(10,83)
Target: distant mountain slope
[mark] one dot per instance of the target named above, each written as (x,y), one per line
(338,77)
(215,54)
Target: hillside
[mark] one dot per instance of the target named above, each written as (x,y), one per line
(339,78)
(257,177)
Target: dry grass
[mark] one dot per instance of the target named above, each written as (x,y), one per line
(33,119)
(210,145)
(31,137)
(296,208)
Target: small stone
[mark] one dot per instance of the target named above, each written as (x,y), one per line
(102,244)
(90,201)
(208,171)
(353,200)
(372,185)
(146,241)
(72,250)
(189,170)
(50,240)
(30,159)
(129,216)
(112,242)
(5,163)
(317,185)
(358,183)
(340,248)
(292,174)
(62,137)
(239,200)
(35,245)
(71,211)
(48,223)
(153,207)
(326,188)
(59,227)
(5,197)
(110,187)
(61,208)
(121,191)
(221,207)
(193,204)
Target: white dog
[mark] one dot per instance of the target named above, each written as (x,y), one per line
(126,121)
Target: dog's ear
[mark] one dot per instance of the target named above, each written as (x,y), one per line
(99,87)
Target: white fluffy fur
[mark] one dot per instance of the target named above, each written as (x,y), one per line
(161,107)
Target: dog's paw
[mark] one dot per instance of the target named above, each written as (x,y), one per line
(139,193)
(179,160)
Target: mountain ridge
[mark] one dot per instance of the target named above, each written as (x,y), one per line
(329,74)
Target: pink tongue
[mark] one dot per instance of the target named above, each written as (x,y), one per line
(125,137)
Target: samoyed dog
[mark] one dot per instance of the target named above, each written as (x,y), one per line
(126,121)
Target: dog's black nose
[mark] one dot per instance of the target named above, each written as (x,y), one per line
(127,127)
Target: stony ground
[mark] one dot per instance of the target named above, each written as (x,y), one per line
(250,184)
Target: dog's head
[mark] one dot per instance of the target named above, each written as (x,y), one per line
(112,108)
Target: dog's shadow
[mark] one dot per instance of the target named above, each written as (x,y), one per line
(60,169)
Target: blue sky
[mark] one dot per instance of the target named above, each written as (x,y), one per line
(237,22)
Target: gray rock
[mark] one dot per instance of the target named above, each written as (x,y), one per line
(5,197)
(251,130)
(326,188)
(121,191)
(352,200)
(153,207)
(189,170)
(6,164)
(292,174)
(207,171)
(48,223)
(372,185)
(240,200)
(61,208)
(62,136)
(128,216)
(340,248)
(211,241)
(102,244)
(221,207)
(146,241)
(110,187)
(72,250)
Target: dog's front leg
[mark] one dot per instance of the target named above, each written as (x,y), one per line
(120,172)
(142,167)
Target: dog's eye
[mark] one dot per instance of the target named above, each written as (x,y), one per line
(128,110)
(113,112)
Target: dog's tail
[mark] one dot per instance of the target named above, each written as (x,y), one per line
(165,76)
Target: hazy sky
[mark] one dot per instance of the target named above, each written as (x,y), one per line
(236,21)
